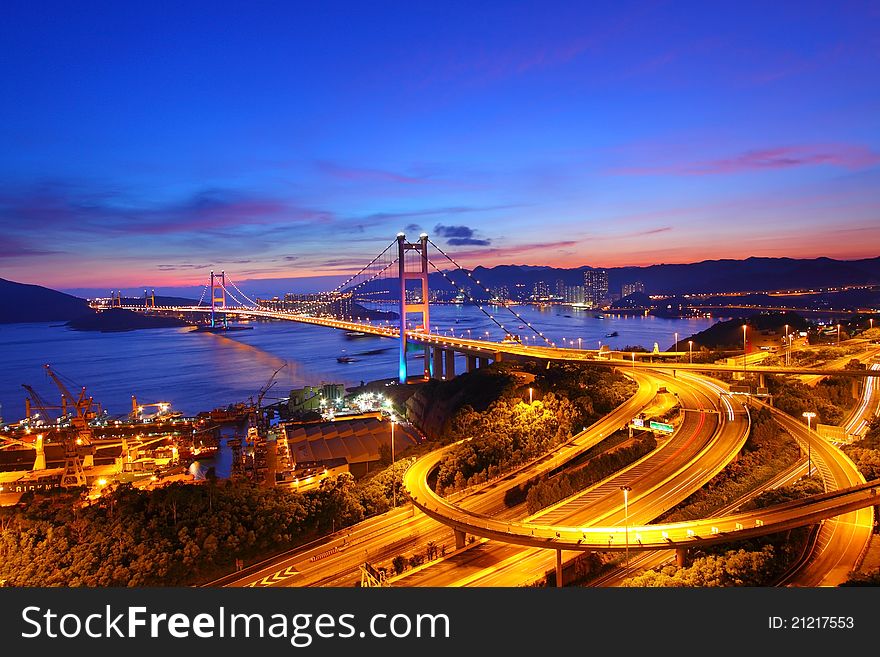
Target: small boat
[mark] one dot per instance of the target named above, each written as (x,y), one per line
(522,326)
(355,334)
(599,316)
(345,359)
(613,334)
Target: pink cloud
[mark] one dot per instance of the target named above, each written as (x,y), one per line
(781,157)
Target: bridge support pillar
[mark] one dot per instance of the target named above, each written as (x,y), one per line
(471,363)
(856,388)
(428,364)
(438,363)
(482,362)
(559,568)
(459,538)
(450,364)
(681,557)
(761,382)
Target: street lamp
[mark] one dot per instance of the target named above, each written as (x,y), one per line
(787,343)
(809,415)
(745,326)
(690,351)
(393,474)
(626,490)
(675,347)
(530,396)
(838,335)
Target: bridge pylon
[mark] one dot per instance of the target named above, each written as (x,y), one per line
(420,306)
(218,297)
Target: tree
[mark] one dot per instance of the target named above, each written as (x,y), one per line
(399,563)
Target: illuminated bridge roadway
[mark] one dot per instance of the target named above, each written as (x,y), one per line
(444,347)
(681,535)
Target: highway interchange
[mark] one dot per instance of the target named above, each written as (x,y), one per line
(713,429)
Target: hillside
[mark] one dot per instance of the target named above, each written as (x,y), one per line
(32,303)
(117,319)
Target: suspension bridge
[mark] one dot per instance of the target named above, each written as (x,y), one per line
(398,276)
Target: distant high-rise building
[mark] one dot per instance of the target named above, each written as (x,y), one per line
(574,294)
(500,293)
(632,288)
(595,286)
(560,288)
(541,291)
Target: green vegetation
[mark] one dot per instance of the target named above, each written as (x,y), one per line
(175,535)
(551,490)
(733,568)
(830,399)
(757,562)
(768,451)
(594,392)
(435,403)
(866,452)
(511,431)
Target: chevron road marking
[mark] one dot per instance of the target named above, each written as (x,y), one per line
(275,578)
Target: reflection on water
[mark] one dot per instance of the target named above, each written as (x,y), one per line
(199,371)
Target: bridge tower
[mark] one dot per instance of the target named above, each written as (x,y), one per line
(218,296)
(421,307)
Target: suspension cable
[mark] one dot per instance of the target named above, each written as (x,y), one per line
(471,276)
(471,299)
(202,298)
(237,289)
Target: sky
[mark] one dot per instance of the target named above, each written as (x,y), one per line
(144,144)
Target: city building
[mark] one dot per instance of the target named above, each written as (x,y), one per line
(573,294)
(500,294)
(595,286)
(310,398)
(632,288)
(541,291)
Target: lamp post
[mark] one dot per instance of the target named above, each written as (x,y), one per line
(626,490)
(530,396)
(393,475)
(787,343)
(745,326)
(838,335)
(633,354)
(675,346)
(809,415)
(690,351)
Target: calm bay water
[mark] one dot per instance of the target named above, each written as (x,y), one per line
(200,371)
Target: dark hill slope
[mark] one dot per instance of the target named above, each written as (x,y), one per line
(32,303)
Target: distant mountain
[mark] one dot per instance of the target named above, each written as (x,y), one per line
(32,303)
(708,276)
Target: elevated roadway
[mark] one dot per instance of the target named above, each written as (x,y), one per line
(335,560)
(497,350)
(706,440)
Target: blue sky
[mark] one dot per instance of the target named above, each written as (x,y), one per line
(145,145)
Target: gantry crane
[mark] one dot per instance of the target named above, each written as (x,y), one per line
(81,407)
